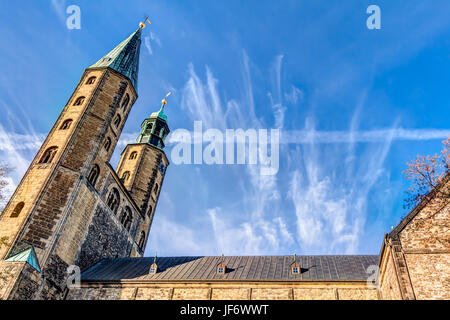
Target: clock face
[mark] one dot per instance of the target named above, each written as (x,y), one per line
(162,168)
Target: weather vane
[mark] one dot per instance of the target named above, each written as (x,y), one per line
(164,101)
(142,24)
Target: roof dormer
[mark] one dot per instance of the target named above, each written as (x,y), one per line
(221,267)
(295,266)
(154,267)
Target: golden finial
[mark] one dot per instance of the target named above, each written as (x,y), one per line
(142,24)
(164,101)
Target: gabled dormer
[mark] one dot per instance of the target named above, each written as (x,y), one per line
(295,266)
(221,267)
(153,267)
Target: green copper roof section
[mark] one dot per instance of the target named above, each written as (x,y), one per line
(159,114)
(27,255)
(124,58)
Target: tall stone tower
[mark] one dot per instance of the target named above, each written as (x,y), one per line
(143,164)
(71,207)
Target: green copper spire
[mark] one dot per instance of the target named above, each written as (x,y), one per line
(124,58)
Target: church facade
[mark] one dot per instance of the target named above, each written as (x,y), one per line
(72,211)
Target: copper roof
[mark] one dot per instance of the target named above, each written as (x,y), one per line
(124,58)
(239,268)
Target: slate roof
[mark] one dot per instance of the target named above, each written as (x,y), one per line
(239,268)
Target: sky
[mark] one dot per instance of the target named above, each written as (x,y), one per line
(353,105)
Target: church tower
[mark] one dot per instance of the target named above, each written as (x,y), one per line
(143,164)
(71,208)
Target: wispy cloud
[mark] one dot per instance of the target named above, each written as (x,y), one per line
(59,6)
(366,136)
(148,42)
(148,45)
(295,96)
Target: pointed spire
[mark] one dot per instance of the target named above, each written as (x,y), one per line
(124,58)
(27,255)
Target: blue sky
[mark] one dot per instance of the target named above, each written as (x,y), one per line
(353,105)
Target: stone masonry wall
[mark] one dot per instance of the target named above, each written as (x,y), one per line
(9,273)
(18,280)
(389,286)
(426,245)
(106,238)
(430,275)
(226,291)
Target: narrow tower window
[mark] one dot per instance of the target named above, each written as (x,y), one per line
(117,120)
(149,212)
(66,124)
(156,188)
(91,80)
(79,101)
(125,102)
(133,155)
(48,155)
(17,210)
(93,175)
(125,176)
(107,144)
(113,200)
(142,240)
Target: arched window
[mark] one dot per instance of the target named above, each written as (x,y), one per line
(17,210)
(157,130)
(107,144)
(149,212)
(66,124)
(113,200)
(79,101)
(93,175)
(156,188)
(117,120)
(142,240)
(125,102)
(91,80)
(133,155)
(127,218)
(48,155)
(125,176)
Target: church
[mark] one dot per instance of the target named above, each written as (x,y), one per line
(73,211)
